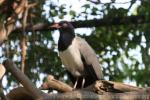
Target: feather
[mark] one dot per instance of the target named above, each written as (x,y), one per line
(90,58)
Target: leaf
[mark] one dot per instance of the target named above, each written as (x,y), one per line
(73,13)
(86,6)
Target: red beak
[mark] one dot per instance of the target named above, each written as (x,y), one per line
(56,25)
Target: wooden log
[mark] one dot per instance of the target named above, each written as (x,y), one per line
(2,71)
(20,77)
(100,86)
(56,85)
(19,93)
(111,86)
(108,89)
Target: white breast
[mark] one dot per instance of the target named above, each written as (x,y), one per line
(71,59)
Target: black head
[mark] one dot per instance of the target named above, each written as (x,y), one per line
(66,34)
(64,27)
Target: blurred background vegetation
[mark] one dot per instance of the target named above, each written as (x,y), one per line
(123,50)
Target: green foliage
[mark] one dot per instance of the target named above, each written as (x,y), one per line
(118,47)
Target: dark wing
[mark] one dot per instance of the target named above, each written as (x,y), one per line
(90,59)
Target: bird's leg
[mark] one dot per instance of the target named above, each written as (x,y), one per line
(83,82)
(75,85)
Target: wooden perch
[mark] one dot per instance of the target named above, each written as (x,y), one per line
(102,86)
(99,86)
(28,85)
(83,94)
(105,90)
(56,85)
(88,95)
(139,19)
(110,86)
(101,89)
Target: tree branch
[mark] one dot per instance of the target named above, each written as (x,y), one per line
(108,90)
(2,71)
(19,94)
(90,23)
(8,27)
(23,45)
(100,86)
(1,1)
(54,84)
(82,95)
(28,85)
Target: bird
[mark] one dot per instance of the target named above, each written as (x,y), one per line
(77,56)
